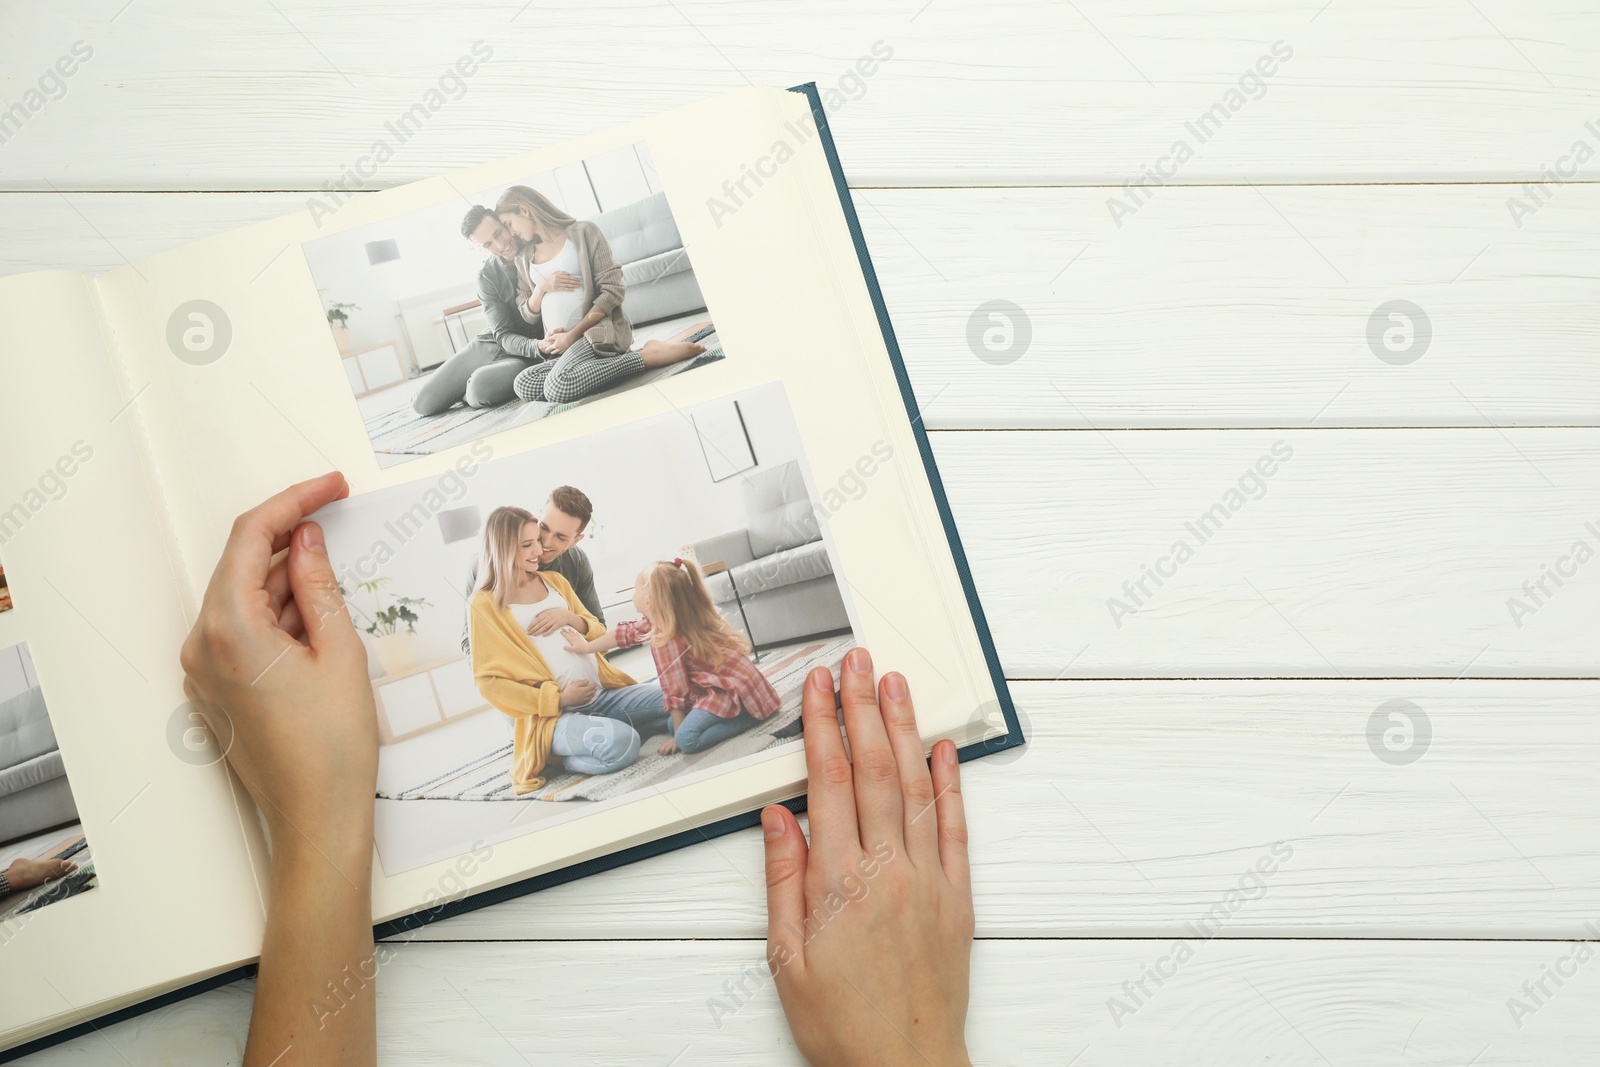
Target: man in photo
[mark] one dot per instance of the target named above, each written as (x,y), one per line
(481,373)
(566,516)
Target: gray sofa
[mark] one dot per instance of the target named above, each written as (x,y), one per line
(33,782)
(644,240)
(779,562)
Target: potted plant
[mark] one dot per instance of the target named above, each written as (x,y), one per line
(393,644)
(339,323)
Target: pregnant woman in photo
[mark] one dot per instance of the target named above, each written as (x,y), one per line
(570,287)
(577,707)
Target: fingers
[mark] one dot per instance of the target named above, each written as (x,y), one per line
(786,885)
(952,816)
(916,786)
(265,529)
(879,808)
(277,586)
(832,802)
(290,621)
(316,593)
(280,600)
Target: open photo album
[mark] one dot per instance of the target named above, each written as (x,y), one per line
(651,366)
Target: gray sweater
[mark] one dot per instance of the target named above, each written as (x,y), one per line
(497,292)
(572,565)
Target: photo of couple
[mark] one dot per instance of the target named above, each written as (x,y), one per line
(510,305)
(649,619)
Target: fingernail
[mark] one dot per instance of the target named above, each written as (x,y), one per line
(771,823)
(311,538)
(894,686)
(820,680)
(947,752)
(859,660)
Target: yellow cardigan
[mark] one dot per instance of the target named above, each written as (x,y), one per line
(512,676)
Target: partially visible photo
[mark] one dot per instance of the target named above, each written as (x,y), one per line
(5,591)
(512,304)
(44,855)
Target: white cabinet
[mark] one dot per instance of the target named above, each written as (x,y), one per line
(374,368)
(424,697)
(352,370)
(409,704)
(458,693)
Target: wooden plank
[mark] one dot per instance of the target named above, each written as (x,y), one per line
(1137,806)
(96,232)
(1208,308)
(1281,1002)
(288,95)
(1244,306)
(1381,553)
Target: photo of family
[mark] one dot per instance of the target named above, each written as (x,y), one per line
(568,627)
(44,857)
(511,304)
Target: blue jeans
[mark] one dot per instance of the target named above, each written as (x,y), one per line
(640,706)
(603,736)
(593,744)
(701,729)
(482,374)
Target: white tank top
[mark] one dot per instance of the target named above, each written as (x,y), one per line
(566,666)
(560,309)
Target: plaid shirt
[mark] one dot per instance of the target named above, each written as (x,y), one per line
(735,682)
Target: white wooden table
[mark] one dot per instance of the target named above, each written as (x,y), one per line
(1171,346)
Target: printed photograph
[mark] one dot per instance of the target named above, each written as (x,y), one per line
(5,591)
(44,857)
(512,304)
(563,629)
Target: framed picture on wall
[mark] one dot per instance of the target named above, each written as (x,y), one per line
(724,440)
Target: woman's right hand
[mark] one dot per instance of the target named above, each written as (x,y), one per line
(561,282)
(577,693)
(869,930)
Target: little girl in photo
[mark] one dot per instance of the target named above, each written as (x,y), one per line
(713,691)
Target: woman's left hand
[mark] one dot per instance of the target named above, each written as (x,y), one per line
(280,674)
(557,342)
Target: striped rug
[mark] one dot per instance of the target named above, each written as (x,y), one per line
(401,431)
(487,777)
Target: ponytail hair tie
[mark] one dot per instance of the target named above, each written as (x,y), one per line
(677,561)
